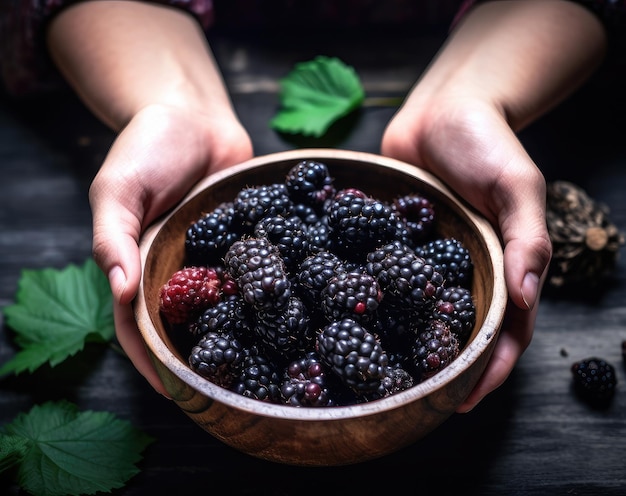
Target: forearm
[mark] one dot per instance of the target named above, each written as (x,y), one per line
(521,56)
(122,56)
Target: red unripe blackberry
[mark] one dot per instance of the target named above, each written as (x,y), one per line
(188,293)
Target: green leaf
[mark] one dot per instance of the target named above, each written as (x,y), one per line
(12,451)
(67,452)
(56,312)
(315,94)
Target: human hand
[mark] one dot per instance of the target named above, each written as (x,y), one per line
(152,164)
(470,146)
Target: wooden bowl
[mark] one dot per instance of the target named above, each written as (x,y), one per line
(329,436)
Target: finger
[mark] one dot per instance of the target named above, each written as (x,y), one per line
(131,341)
(527,245)
(115,248)
(514,338)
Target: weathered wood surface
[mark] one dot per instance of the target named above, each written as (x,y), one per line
(531,437)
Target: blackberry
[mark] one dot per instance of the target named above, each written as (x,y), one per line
(307,213)
(360,223)
(388,259)
(434,348)
(354,354)
(450,258)
(594,380)
(315,272)
(309,182)
(395,380)
(418,213)
(287,332)
(351,294)
(394,327)
(456,307)
(188,292)
(319,236)
(227,316)
(258,268)
(259,378)
(407,280)
(253,203)
(288,234)
(305,384)
(208,238)
(217,356)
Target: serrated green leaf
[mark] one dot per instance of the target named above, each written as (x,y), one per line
(315,94)
(12,451)
(71,453)
(56,312)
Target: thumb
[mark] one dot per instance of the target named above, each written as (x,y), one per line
(527,246)
(115,248)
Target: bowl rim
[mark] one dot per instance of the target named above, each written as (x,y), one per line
(488,332)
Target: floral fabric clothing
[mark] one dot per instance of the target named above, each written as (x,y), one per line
(25,67)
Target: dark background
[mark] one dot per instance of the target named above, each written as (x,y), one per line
(532,436)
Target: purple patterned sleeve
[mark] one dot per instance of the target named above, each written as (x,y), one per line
(24,66)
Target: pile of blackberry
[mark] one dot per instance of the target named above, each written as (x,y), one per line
(306,294)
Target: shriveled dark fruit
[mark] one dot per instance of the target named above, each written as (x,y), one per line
(188,292)
(594,380)
(586,243)
(354,354)
(304,383)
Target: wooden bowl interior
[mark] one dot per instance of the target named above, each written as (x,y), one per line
(166,254)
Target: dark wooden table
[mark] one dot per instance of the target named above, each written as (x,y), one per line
(532,436)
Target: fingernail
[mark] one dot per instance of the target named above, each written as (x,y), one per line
(530,286)
(465,409)
(117,280)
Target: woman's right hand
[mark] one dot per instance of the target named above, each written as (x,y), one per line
(156,159)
